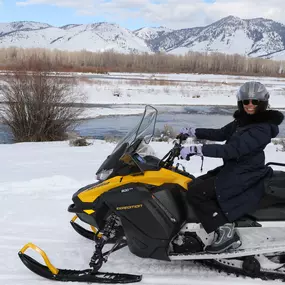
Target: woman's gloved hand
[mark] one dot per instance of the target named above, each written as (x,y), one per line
(188,131)
(188,151)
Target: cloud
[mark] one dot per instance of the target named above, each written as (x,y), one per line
(60,3)
(172,13)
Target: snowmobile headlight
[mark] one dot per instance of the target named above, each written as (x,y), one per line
(104,174)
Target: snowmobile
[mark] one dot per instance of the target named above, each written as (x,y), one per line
(139,202)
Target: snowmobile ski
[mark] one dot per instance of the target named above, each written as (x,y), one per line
(87,275)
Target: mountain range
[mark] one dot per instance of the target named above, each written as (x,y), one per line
(257,37)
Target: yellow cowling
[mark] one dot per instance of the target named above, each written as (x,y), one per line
(155,178)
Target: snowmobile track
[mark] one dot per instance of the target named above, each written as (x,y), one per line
(215,265)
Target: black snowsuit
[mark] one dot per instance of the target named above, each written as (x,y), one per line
(236,188)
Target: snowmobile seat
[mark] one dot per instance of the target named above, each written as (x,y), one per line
(275,186)
(272,205)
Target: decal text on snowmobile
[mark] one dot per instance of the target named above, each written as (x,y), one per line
(127,190)
(129,207)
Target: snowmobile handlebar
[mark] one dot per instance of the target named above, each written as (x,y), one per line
(168,160)
(182,137)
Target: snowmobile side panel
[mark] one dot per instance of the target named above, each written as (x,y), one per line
(144,246)
(169,198)
(136,205)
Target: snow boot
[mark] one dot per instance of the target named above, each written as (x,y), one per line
(225,238)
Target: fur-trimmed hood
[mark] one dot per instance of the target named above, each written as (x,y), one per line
(273,117)
(269,116)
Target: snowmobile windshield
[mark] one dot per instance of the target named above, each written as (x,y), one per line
(143,131)
(136,140)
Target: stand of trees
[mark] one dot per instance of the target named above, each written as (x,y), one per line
(193,62)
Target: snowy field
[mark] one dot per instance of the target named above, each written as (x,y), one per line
(169,89)
(131,91)
(36,185)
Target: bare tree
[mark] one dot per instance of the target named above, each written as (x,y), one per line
(38,105)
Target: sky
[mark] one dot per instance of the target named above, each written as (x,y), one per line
(134,14)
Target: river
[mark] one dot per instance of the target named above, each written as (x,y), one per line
(174,116)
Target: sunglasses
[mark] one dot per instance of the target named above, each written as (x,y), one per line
(253,101)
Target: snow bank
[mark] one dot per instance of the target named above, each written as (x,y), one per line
(37,182)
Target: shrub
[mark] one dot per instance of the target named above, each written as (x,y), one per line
(112,139)
(38,105)
(79,142)
(166,134)
(279,142)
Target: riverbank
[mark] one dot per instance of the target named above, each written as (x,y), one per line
(171,89)
(128,93)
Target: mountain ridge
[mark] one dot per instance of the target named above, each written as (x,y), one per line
(257,37)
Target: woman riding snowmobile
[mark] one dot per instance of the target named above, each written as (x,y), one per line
(230,191)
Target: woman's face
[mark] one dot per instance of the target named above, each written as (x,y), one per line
(250,106)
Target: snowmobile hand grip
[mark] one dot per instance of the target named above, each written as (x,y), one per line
(182,137)
(53,269)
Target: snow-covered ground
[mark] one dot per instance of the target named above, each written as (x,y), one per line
(169,89)
(36,185)
(134,90)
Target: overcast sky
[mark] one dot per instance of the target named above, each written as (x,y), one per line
(133,14)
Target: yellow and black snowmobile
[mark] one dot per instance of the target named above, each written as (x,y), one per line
(139,202)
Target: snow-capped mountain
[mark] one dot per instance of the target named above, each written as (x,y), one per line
(92,37)
(254,37)
(6,28)
(152,33)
